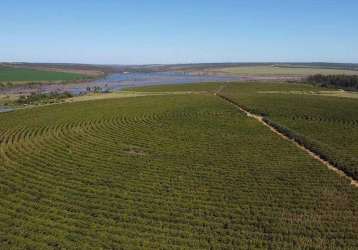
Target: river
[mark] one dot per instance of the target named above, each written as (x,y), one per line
(123,80)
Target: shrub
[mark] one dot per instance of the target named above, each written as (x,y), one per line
(43,97)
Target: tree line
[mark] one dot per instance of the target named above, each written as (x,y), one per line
(348,82)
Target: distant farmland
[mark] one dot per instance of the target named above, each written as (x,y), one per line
(184,171)
(280,71)
(12,74)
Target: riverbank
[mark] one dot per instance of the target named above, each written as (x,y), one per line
(117,81)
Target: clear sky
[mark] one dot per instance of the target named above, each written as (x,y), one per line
(178,31)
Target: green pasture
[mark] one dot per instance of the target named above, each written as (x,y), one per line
(12,74)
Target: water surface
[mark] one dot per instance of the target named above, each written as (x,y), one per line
(123,80)
(5,109)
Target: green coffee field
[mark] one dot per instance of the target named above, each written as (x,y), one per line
(328,123)
(11,74)
(165,172)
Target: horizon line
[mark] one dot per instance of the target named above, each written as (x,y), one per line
(182,63)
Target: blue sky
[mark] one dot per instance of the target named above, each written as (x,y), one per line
(178,31)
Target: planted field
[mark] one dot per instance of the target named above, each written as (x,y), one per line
(11,74)
(328,124)
(164,172)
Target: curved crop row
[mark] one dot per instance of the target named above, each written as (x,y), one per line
(163,172)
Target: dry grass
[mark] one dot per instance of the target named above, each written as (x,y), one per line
(122,94)
(279,71)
